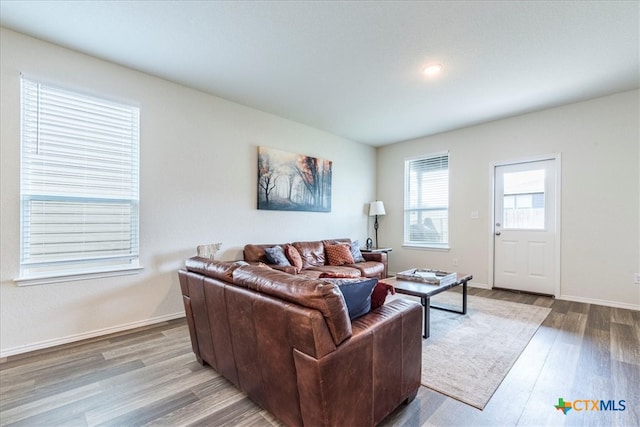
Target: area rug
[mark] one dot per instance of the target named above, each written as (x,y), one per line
(467,356)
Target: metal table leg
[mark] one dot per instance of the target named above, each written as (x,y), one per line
(426,303)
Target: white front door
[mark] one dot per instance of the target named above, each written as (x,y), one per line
(525,226)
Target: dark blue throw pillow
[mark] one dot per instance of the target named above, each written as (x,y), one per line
(275,255)
(357,295)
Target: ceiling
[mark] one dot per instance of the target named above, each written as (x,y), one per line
(354,68)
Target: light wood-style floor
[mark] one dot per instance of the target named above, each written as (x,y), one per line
(149,376)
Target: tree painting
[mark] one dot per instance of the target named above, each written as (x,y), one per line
(293,182)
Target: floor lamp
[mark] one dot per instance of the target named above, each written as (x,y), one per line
(376,208)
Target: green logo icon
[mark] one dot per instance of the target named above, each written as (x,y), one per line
(563,406)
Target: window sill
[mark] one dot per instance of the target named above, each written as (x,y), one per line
(427,248)
(44,279)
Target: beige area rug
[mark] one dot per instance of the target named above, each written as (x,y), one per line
(467,356)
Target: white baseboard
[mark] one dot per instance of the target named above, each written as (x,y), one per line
(479,285)
(576,299)
(86,335)
(627,306)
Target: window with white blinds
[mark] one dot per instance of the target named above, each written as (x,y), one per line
(426,202)
(79,183)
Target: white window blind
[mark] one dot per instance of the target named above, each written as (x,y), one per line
(426,208)
(79,183)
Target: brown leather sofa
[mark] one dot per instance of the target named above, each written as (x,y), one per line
(315,261)
(287,341)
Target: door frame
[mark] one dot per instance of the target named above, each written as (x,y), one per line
(557,158)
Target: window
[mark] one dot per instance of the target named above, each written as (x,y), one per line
(79,183)
(523,205)
(426,201)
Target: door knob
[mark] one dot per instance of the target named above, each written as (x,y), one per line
(497,233)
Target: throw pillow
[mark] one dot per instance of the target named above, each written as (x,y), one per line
(294,257)
(339,254)
(357,295)
(379,294)
(355,252)
(275,255)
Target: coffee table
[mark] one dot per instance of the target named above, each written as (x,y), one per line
(425,291)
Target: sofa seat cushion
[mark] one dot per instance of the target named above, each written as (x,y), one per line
(368,268)
(337,270)
(342,274)
(310,274)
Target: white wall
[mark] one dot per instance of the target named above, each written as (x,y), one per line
(599,142)
(198,185)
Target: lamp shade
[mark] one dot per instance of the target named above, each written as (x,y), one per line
(376,208)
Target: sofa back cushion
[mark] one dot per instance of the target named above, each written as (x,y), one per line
(316,294)
(336,241)
(312,253)
(256,253)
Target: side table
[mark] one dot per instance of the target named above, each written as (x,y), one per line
(376,250)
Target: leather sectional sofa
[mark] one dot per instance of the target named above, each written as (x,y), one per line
(288,342)
(315,262)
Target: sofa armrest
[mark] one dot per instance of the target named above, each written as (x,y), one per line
(375,256)
(379,257)
(383,359)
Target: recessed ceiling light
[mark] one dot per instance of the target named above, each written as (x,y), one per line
(432,69)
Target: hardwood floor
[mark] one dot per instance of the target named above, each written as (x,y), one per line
(149,376)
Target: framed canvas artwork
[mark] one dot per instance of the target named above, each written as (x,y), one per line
(293,182)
